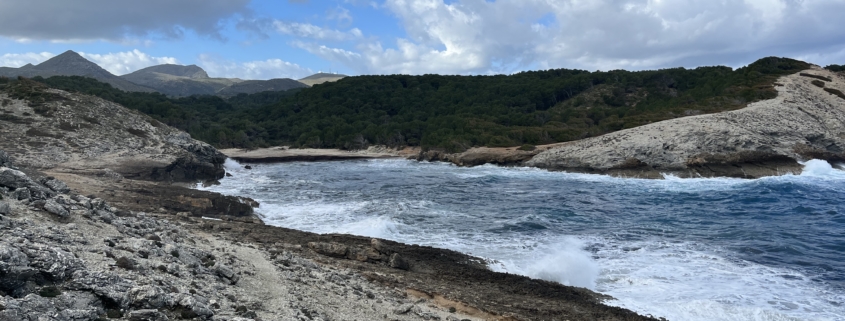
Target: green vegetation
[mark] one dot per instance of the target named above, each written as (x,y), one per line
(835,92)
(454,112)
(818,83)
(835,68)
(816,77)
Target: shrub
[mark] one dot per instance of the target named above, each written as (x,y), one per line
(816,77)
(527,147)
(835,92)
(50,292)
(125,263)
(818,83)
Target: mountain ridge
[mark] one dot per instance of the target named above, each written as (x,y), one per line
(168,79)
(71,63)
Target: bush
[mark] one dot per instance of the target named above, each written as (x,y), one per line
(125,263)
(835,68)
(816,77)
(50,292)
(818,83)
(527,147)
(835,92)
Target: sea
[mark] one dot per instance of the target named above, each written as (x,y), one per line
(680,248)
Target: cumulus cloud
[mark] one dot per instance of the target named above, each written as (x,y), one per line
(260,69)
(472,36)
(125,62)
(18,60)
(114,20)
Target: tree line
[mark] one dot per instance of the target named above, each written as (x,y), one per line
(453,113)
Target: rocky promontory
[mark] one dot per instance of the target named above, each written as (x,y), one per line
(805,121)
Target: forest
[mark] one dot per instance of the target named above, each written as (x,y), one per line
(454,113)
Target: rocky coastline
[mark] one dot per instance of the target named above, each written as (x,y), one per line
(98,222)
(766,138)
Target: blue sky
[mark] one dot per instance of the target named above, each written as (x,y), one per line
(261,39)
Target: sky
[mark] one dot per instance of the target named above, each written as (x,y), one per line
(263,39)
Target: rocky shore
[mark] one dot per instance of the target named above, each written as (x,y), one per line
(98,222)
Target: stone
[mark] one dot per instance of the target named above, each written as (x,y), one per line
(329,249)
(397,262)
(5,160)
(55,185)
(193,306)
(147,315)
(148,297)
(14,179)
(404,309)
(55,208)
(22,194)
(5,208)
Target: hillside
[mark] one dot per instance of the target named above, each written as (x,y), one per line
(455,113)
(179,81)
(257,86)
(71,63)
(320,78)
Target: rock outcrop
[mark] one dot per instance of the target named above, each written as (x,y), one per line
(71,257)
(766,138)
(78,133)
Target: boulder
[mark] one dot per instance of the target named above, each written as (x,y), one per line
(147,315)
(148,297)
(55,208)
(55,185)
(14,270)
(5,208)
(329,249)
(22,194)
(397,262)
(14,179)
(5,160)
(193,306)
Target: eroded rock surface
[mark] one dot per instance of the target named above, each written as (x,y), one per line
(766,138)
(79,133)
(96,261)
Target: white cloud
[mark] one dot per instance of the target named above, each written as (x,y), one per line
(18,60)
(125,62)
(260,69)
(473,36)
(307,30)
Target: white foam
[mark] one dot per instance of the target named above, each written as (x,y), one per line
(678,281)
(565,262)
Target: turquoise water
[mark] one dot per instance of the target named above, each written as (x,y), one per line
(684,249)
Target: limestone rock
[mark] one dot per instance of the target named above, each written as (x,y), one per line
(55,208)
(5,208)
(329,249)
(55,185)
(5,160)
(397,262)
(14,179)
(147,315)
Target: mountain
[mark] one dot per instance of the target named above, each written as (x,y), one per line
(256,86)
(179,81)
(71,63)
(320,78)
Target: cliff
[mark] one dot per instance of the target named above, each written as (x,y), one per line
(52,129)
